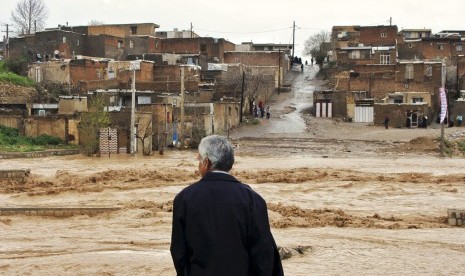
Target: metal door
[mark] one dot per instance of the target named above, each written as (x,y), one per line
(363,114)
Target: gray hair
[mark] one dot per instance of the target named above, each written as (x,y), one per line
(218,150)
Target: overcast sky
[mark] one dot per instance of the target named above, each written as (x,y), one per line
(260,21)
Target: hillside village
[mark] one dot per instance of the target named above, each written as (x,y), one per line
(174,87)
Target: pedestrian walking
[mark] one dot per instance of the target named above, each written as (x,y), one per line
(386,122)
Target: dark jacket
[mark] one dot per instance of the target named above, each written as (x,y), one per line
(220,227)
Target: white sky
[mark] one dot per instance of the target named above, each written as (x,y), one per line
(260,21)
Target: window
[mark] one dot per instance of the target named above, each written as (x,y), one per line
(385,59)
(64,39)
(440,47)
(111,74)
(120,44)
(417,100)
(354,55)
(383,35)
(459,48)
(77,42)
(133,30)
(410,45)
(131,44)
(409,72)
(359,54)
(428,70)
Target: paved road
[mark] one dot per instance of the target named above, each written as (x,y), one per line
(286,108)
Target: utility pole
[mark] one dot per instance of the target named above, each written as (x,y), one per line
(293,41)
(458,77)
(242,94)
(6,41)
(133,107)
(192,35)
(279,70)
(181,129)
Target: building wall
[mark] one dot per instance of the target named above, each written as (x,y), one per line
(226,115)
(378,80)
(122,30)
(72,105)
(13,121)
(23,47)
(57,72)
(87,70)
(95,46)
(430,49)
(167,78)
(162,124)
(421,83)
(213,48)
(397,113)
(66,42)
(137,45)
(46,42)
(53,126)
(254,58)
(371,35)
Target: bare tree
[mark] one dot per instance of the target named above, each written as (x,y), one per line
(29,16)
(317,46)
(144,133)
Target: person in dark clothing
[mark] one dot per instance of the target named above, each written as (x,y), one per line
(386,122)
(220,225)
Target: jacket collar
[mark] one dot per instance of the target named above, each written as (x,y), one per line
(216,175)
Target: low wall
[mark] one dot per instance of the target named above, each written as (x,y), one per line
(37,154)
(55,211)
(16,175)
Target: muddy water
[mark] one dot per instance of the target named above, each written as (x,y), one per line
(360,216)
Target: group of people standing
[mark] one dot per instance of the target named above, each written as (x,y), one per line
(262,110)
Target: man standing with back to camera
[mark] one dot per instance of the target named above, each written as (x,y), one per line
(220,226)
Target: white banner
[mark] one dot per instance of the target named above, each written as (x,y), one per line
(442,95)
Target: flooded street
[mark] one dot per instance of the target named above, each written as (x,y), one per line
(360,199)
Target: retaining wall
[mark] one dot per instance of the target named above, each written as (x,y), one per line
(55,211)
(37,154)
(16,175)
